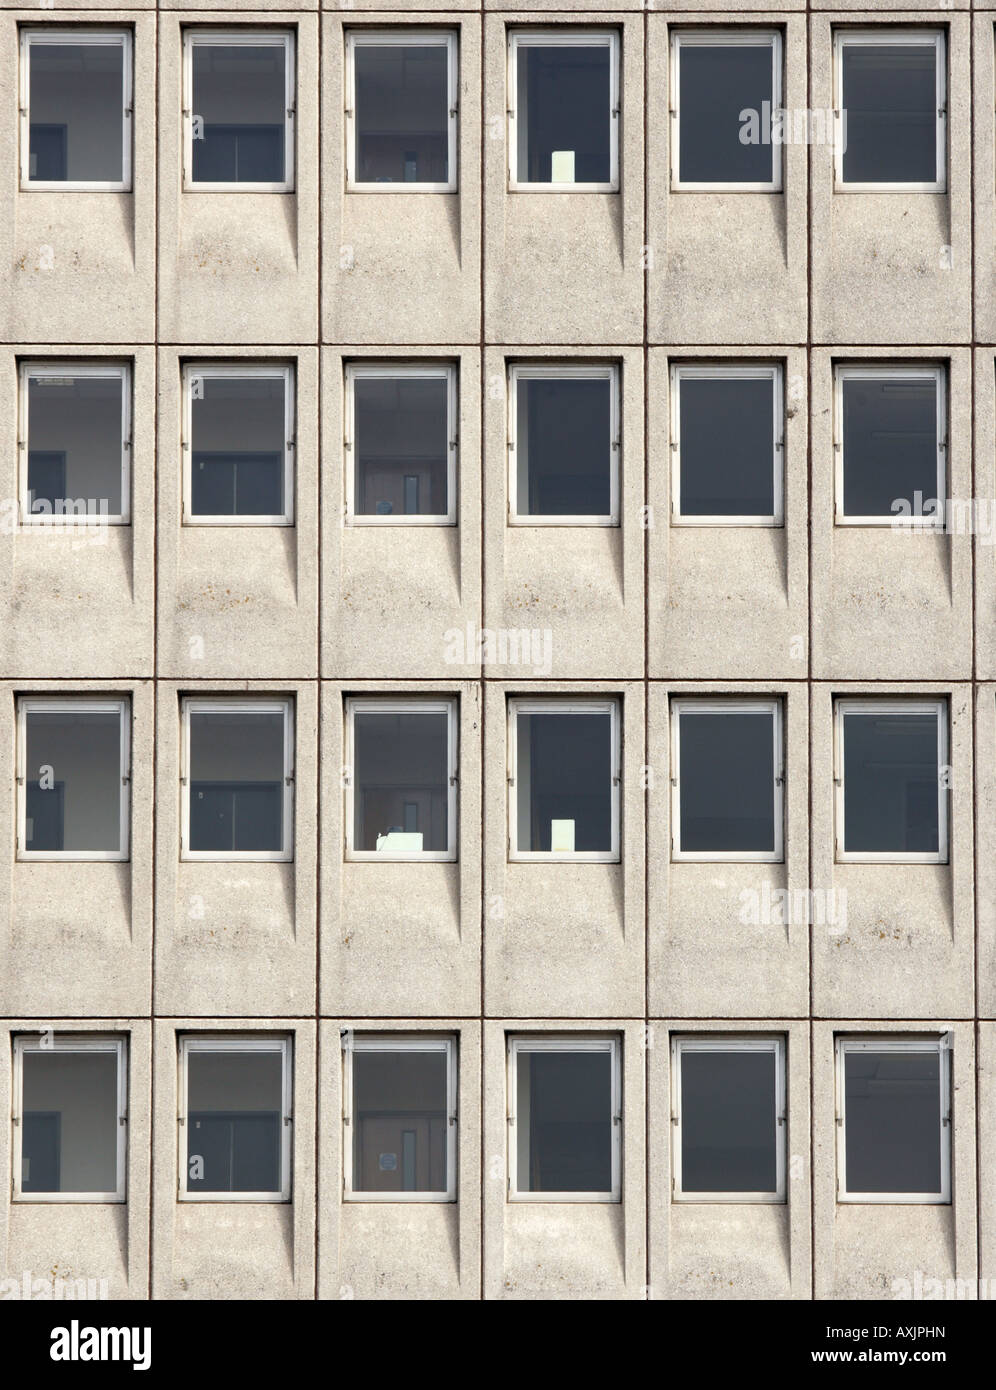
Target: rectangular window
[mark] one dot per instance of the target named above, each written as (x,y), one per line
(563,445)
(74,775)
(727,780)
(890,777)
(401,444)
(239,103)
(564,1119)
(726,87)
(891,441)
(235,1119)
(893,1120)
(401,784)
(237,779)
(563,116)
(70,1108)
(891,96)
(75,443)
(728,1118)
(565,764)
(76,108)
(400,1109)
(238,445)
(401,111)
(727,444)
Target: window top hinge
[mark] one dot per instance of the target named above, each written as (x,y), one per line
(123,1119)
(288,779)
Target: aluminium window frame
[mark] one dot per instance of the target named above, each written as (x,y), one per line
(56,704)
(891,1042)
(402,704)
(564,370)
(913,35)
(687,370)
(238,704)
(188,1042)
(411,36)
(886,705)
(377,370)
(70,1043)
(522,36)
(563,1042)
(737,704)
(743,36)
(257,36)
(877,370)
(237,369)
(682,1043)
(566,705)
(95,368)
(352,1043)
(67,35)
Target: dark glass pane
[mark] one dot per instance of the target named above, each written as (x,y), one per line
(890,445)
(73,782)
(239,429)
(236,781)
(727,791)
(239,113)
(890,783)
(234,1121)
(70,1136)
(727,433)
(77,105)
(890,101)
(564,1115)
(402,113)
(563,119)
(74,445)
(401,782)
(728,1122)
(401,445)
(563,446)
(892,1117)
(563,778)
(400,1121)
(719,82)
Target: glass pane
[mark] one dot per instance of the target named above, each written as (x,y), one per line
(719,83)
(563,118)
(727,432)
(239,111)
(890,105)
(728,1122)
(400,1121)
(890,783)
(564,1121)
(401,782)
(234,1121)
(238,429)
(75,445)
(69,1139)
(727,773)
(73,782)
(892,1118)
(236,781)
(77,105)
(563,778)
(402,113)
(890,445)
(563,446)
(401,444)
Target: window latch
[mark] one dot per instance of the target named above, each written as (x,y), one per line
(288,1119)
(288,779)
(454,110)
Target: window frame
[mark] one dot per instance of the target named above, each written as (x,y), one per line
(399,1042)
(564,370)
(727,1042)
(527,36)
(238,704)
(237,370)
(912,35)
(369,369)
(562,1042)
(189,1042)
(886,371)
(890,1042)
(71,1043)
(56,704)
(567,705)
(743,370)
(208,36)
(96,368)
(885,704)
(413,36)
(742,36)
(402,704)
(737,704)
(66,34)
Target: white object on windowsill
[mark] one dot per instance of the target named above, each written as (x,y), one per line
(401,842)
(562,836)
(562,166)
